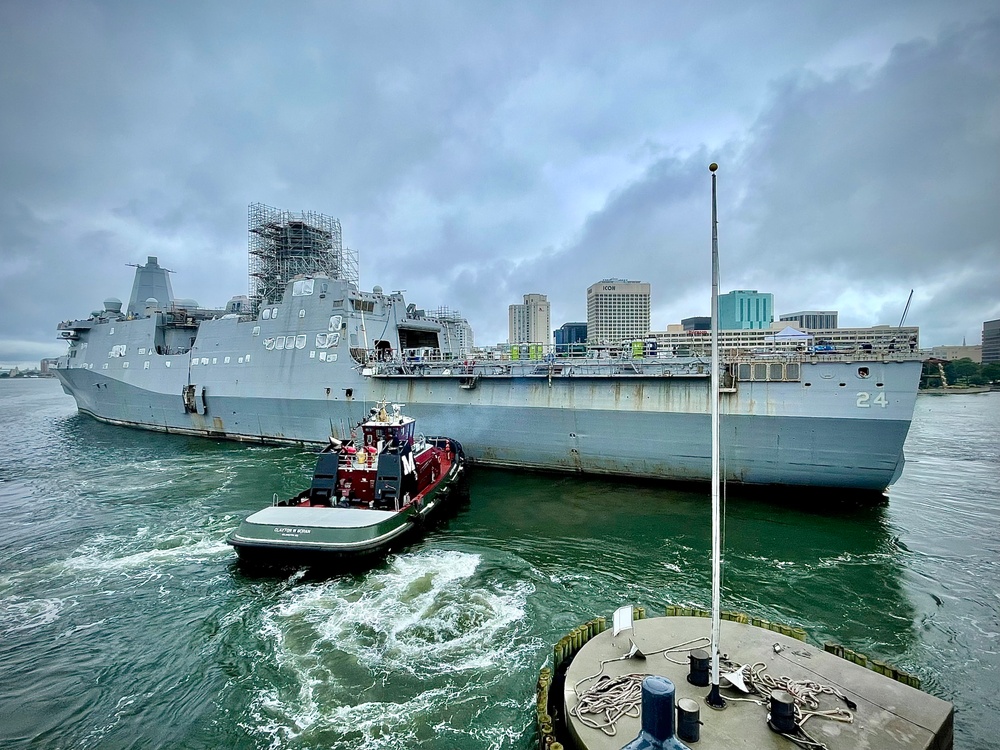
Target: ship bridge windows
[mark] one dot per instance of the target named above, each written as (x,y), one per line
(363,305)
(302,287)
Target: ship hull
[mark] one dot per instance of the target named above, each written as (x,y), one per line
(645,429)
(311,366)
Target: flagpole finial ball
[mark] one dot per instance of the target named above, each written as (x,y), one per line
(712,167)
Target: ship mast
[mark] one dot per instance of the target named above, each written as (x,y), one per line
(714,699)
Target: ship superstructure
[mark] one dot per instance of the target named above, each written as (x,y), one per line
(309,364)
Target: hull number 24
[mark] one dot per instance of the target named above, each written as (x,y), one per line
(865,400)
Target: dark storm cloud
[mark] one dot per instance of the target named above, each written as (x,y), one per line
(476,152)
(876,181)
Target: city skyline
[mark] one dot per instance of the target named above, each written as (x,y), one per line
(471,150)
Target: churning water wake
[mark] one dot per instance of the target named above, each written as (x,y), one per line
(126,623)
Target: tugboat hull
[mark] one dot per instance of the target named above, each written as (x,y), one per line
(289,534)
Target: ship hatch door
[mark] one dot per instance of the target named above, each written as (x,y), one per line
(188,395)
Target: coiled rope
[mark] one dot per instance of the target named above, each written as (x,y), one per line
(605,702)
(609,699)
(805,694)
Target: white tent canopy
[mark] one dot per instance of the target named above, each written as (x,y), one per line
(788,334)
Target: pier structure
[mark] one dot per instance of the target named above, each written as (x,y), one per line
(849,701)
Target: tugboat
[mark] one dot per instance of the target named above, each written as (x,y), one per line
(366,495)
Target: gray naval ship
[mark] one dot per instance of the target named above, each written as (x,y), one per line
(306,355)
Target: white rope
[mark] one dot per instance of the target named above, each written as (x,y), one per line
(805,695)
(614,697)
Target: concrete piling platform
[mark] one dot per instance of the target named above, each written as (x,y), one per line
(888,715)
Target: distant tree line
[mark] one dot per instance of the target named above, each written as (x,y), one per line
(959,372)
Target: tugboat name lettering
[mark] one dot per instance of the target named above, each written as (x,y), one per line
(288,531)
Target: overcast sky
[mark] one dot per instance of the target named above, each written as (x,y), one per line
(479,151)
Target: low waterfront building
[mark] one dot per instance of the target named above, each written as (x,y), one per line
(810,320)
(952,353)
(780,336)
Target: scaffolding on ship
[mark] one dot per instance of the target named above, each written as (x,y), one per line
(286,244)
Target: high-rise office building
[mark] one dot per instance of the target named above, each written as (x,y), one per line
(991,342)
(697,323)
(812,320)
(617,311)
(531,322)
(569,334)
(745,310)
(459,338)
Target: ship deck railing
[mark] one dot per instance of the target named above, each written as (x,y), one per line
(470,371)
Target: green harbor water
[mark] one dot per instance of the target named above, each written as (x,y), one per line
(125,622)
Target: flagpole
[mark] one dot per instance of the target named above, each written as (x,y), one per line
(714,699)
